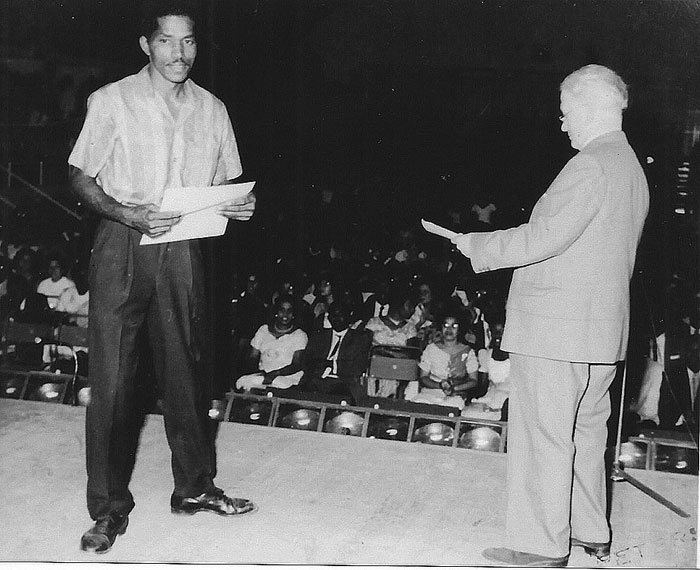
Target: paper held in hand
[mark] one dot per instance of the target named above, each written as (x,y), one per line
(438,230)
(198,207)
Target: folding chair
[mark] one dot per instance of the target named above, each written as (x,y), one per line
(22,343)
(398,364)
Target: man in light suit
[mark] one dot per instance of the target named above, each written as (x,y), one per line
(567,326)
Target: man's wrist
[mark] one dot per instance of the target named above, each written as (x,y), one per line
(123,214)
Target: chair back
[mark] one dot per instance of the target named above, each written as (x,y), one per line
(73,336)
(38,333)
(394,362)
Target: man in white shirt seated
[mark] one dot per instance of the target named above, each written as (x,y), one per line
(56,283)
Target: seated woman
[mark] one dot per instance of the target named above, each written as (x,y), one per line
(425,316)
(448,369)
(394,329)
(276,349)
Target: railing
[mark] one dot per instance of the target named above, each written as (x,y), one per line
(8,170)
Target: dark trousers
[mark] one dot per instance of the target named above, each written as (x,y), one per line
(160,285)
(338,386)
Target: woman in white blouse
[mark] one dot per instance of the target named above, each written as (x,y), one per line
(277,349)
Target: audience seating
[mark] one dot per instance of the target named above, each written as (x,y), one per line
(399,363)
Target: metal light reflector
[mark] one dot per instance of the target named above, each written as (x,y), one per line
(345,423)
(434,434)
(302,419)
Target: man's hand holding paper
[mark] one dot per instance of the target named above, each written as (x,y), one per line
(240,209)
(149,220)
(460,240)
(193,213)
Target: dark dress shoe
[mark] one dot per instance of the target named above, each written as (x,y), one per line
(214,502)
(508,557)
(601,550)
(101,536)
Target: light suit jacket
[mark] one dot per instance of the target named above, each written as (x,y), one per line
(569,297)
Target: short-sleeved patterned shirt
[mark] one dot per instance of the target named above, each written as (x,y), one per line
(135,149)
(436,361)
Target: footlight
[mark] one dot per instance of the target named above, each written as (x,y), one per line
(51,392)
(676,459)
(83,397)
(301,419)
(217,410)
(345,423)
(633,455)
(434,434)
(246,412)
(79,392)
(388,428)
(481,438)
(12,387)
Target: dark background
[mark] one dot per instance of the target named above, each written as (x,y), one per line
(392,110)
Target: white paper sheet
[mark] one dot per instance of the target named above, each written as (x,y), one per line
(438,230)
(198,205)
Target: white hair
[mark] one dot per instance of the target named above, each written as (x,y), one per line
(597,86)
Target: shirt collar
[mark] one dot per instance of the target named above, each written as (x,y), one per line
(612,136)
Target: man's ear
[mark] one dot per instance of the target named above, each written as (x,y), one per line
(143,42)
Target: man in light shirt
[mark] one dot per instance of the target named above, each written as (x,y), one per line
(56,283)
(150,131)
(567,327)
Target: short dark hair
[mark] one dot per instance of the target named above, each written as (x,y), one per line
(59,256)
(151,10)
(452,313)
(284,298)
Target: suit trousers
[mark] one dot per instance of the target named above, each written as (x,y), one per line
(160,285)
(557,430)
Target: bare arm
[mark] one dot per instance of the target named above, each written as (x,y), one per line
(426,381)
(292,368)
(146,219)
(253,359)
(464,383)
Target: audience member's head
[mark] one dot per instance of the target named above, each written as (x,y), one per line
(324,286)
(252,284)
(24,262)
(450,327)
(425,291)
(56,265)
(283,313)
(401,303)
(339,315)
(80,278)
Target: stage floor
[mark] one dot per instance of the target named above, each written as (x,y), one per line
(323,499)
